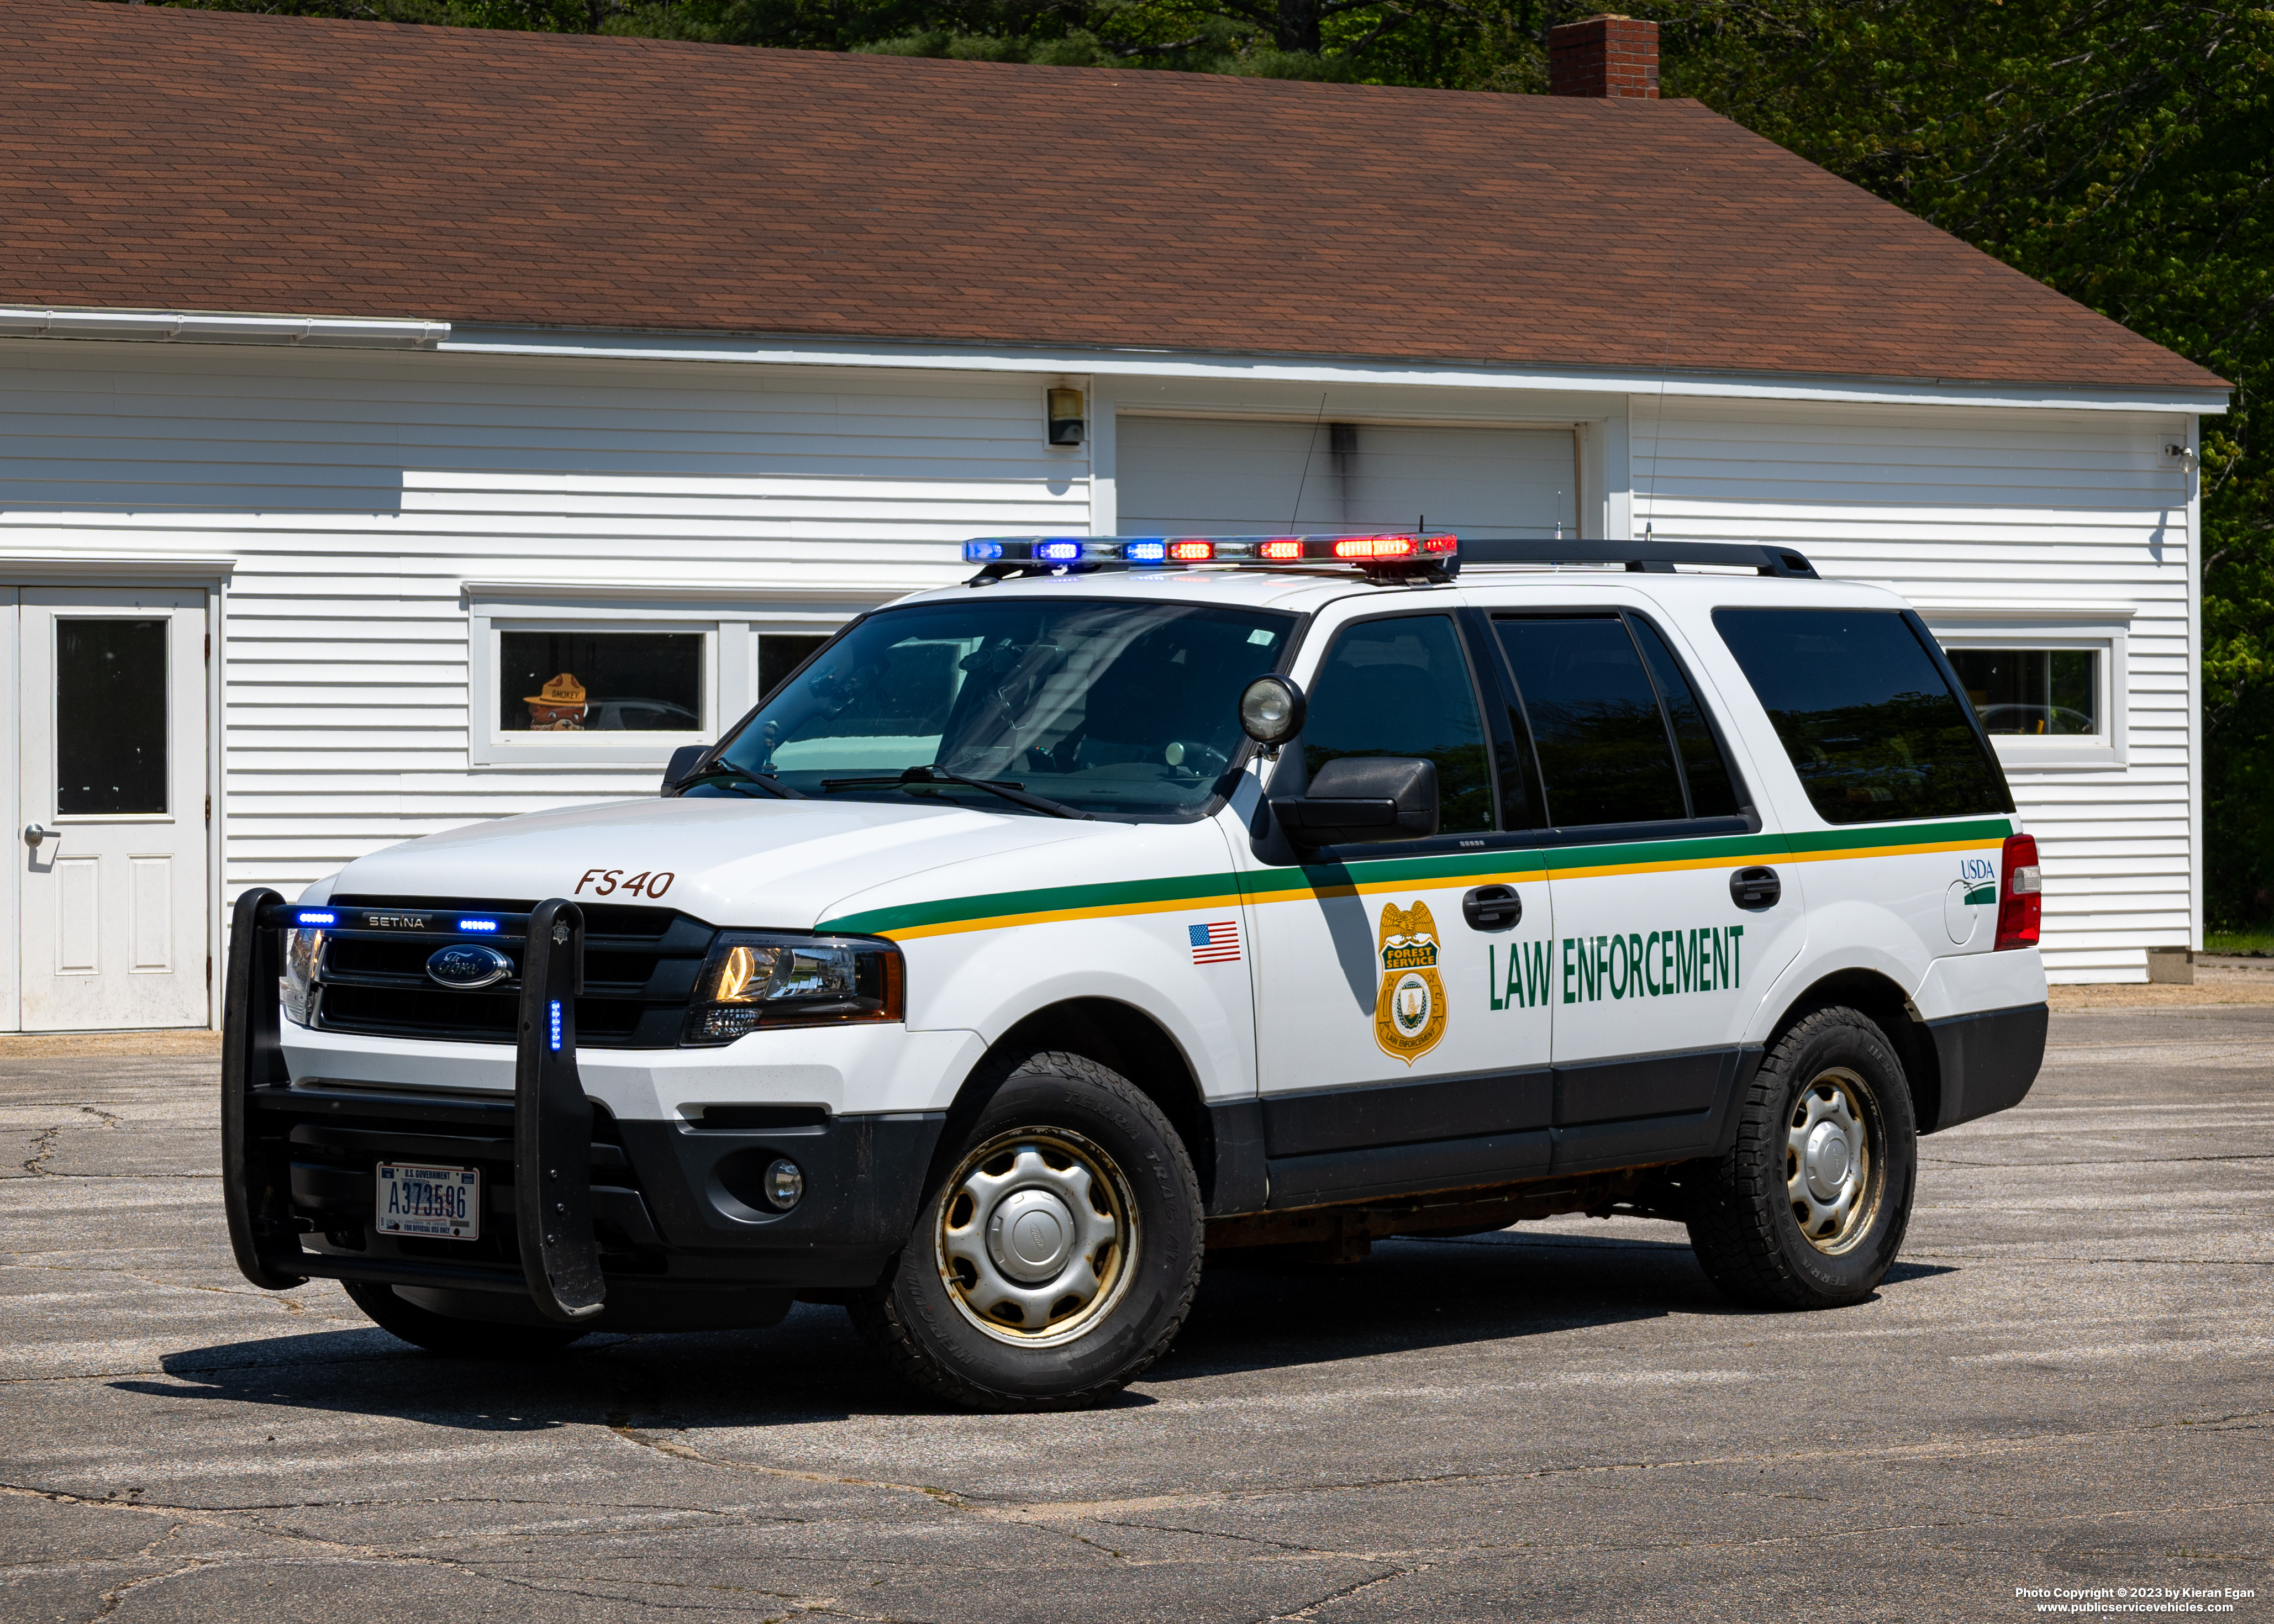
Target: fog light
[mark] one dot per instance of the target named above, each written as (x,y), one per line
(785,1182)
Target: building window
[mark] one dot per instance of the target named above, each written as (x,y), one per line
(601,682)
(2032,692)
(2049,684)
(779,653)
(619,677)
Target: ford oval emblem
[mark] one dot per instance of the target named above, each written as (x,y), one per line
(468,966)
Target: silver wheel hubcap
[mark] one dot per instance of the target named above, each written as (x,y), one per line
(1035,1232)
(1828,1160)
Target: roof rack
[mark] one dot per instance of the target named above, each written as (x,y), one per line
(1647,555)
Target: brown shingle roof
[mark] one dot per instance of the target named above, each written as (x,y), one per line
(197,160)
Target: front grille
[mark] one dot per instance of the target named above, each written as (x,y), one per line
(640,967)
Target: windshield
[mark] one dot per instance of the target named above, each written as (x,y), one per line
(1105,706)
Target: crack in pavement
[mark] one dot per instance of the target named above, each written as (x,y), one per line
(2102,1161)
(330,1553)
(2010,1260)
(687,1452)
(44,1145)
(1311,1610)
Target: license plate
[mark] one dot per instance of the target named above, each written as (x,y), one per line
(440,1201)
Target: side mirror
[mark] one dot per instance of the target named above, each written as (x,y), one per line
(1360,798)
(684,760)
(1271,711)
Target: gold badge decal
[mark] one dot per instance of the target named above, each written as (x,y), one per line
(1409,1013)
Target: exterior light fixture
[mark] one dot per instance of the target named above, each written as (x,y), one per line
(1062,409)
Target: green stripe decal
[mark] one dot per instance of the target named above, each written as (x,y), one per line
(1123,896)
(997,909)
(1984,829)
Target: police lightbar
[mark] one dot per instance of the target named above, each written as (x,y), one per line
(1005,553)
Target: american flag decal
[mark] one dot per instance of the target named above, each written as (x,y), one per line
(1216,943)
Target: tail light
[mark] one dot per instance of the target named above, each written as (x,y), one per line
(2021,894)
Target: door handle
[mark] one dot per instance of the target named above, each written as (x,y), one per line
(1492,908)
(1756,889)
(33,834)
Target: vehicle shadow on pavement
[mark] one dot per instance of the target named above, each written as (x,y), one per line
(1250,1315)
(1415,1293)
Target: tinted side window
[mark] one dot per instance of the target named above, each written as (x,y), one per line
(1401,687)
(1604,755)
(1711,792)
(1864,712)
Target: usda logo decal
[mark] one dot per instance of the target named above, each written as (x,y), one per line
(1979,874)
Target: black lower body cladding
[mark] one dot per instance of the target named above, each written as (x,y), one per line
(1396,1138)
(679,1210)
(863,1177)
(1988,1061)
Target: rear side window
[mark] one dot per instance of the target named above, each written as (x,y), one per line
(1400,687)
(1872,725)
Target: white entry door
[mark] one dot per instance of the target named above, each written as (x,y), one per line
(111,809)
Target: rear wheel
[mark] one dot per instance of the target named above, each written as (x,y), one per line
(1810,1208)
(457,1339)
(1057,1258)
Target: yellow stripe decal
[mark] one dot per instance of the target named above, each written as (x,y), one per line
(1273,885)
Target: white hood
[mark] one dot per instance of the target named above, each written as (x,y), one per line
(778,864)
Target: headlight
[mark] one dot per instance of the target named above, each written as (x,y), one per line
(756,978)
(303,951)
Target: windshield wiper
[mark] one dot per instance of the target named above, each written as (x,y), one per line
(1009,789)
(721,771)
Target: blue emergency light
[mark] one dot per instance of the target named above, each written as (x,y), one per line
(484,925)
(315,916)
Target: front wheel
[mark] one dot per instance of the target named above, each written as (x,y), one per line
(1057,1258)
(1810,1207)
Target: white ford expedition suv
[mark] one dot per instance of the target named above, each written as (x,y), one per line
(1150,897)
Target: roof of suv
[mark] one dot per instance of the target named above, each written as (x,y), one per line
(1305,591)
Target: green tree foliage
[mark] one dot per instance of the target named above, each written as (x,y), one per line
(2121,151)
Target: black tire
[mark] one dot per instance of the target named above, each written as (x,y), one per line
(1747,1221)
(456,1339)
(1055,1124)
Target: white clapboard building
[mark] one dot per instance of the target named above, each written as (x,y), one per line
(363,388)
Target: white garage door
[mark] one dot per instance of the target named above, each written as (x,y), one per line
(1224,476)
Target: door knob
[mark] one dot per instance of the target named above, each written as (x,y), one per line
(1492,908)
(33,834)
(1755,889)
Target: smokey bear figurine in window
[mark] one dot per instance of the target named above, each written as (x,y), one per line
(559,707)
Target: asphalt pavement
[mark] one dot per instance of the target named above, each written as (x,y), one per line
(2066,1386)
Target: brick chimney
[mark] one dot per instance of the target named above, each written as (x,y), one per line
(1603,55)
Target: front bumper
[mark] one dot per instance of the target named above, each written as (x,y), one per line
(589,1216)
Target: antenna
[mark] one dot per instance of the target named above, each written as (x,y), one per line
(1308,453)
(1665,355)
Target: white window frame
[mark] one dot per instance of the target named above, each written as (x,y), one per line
(731,629)
(2102,629)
